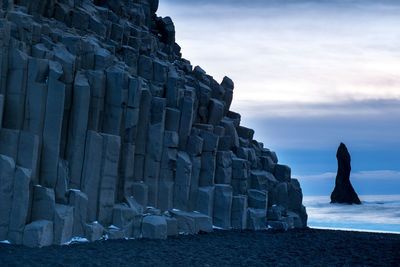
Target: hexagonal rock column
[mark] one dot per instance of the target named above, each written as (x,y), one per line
(222,206)
(7,166)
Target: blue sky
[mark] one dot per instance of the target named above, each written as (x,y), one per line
(308,75)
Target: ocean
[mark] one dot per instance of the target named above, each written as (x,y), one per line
(377,213)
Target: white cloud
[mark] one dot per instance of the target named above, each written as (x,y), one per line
(295,52)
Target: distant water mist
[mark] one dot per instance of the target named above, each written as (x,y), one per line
(376,213)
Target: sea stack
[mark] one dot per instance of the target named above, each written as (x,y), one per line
(344,191)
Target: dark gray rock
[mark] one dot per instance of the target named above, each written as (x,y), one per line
(344,191)
(38,234)
(282,173)
(43,205)
(79,201)
(94,231)
(7,167)
(20,205)
(205,200)
(222,206)
(256,219)
(154,227)
(63,224)
(257,199)
(239,212)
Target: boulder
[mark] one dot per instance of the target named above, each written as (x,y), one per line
(256,219)
(94,231)
(192,222)
(38,234)
(154,227)
(344,191)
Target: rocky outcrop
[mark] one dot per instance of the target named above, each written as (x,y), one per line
(107,131)
(344,191)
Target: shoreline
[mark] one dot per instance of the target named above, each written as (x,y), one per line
(354,230)
(299,247)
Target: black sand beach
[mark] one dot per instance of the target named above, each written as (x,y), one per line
(308,247)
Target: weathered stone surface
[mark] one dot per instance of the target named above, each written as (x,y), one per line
(154,227)
(172,226)
(295,195)
(9,141)
(109,176)
(140,192)
(194,183)
(16,89)
(280,195)
(344,191)
(94,231)
(28,153)
(77,128)
(186,121)
(91,173)
(256,219)
(79,201)
(278,225)
(182,181)
(123,215)
(262,180)
(20,205)
(222,206)
(63,224)
(113,100)
(1,109)
(257,199)
(112,232)
(207,172)
(216,111)
(172,119)
(282,173)
(52,126)
(239,212)
(192,222)
(43,206)
(205,200)
(38,234)
(7,166)
(195,145)
(61,188)
(275,213)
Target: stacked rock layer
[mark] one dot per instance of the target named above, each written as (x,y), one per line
(107,131)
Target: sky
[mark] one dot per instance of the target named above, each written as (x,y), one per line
(308,75)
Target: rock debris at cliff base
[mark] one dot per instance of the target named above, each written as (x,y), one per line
(107,130)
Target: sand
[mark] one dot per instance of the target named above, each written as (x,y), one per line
(307,247)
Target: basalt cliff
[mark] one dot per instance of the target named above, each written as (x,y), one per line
(106,131)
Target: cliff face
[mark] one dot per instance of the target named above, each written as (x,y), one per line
(106,129)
